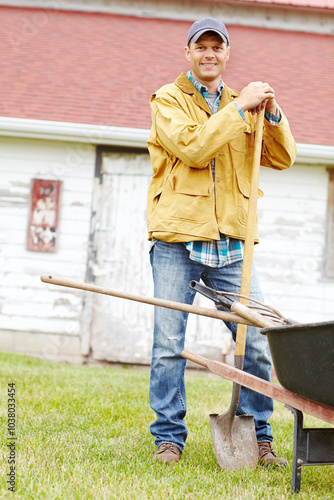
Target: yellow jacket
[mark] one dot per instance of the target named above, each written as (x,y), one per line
(184,204)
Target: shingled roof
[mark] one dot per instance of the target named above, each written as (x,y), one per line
(101,69)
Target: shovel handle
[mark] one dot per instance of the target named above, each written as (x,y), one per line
(250,236)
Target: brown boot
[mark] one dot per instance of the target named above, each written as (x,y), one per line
(167,452)
(267,456)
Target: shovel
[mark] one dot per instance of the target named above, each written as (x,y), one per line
(234,438)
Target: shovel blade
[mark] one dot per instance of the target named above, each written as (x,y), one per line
(234,443)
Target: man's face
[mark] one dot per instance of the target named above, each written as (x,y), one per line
(208,57)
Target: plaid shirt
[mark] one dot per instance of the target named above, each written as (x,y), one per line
(226,250)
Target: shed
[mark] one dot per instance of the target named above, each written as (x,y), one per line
(75,83)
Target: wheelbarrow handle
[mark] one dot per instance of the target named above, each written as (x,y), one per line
(196,358)
(317,410)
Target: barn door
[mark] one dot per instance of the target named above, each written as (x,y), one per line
(121,329)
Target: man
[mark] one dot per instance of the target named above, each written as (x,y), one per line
(201,146)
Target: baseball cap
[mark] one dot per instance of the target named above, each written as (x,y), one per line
(207,24)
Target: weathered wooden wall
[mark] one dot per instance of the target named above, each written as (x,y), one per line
(38,319)
(290,257)
(62,324)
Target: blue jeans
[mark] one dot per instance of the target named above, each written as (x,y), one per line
(172,271)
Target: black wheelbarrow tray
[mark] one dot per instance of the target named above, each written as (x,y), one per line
(303,357)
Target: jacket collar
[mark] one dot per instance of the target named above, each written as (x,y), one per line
(186,86)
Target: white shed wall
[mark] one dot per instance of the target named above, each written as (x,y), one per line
(52,322)
(37,319)
(290,256)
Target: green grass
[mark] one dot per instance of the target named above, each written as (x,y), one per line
(83,433)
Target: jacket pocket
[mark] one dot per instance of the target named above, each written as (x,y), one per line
(187,197)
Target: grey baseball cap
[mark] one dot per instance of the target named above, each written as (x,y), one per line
(207,24)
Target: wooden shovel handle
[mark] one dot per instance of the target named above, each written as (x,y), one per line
(250,236)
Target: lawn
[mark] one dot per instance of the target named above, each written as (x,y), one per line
(83,433)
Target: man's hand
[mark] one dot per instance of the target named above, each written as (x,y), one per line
(256,96)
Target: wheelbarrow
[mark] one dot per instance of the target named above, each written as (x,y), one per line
(302,354)
(310,392)
(303,357)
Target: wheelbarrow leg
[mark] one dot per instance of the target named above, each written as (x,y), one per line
(313,446)
(297,450)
